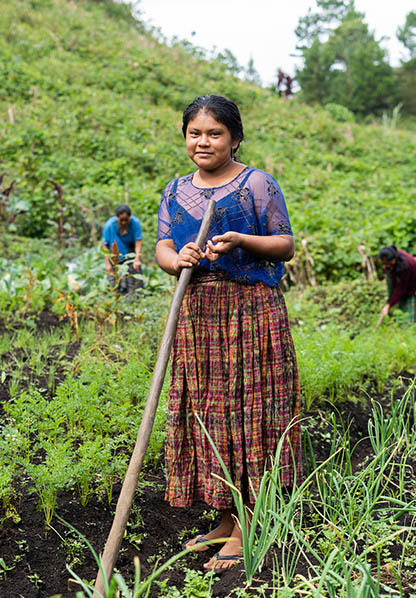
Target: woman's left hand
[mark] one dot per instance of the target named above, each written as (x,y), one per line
(221,245)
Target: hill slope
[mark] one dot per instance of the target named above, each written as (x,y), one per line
(90,99)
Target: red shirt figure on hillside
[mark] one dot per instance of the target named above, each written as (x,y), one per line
(400,268)
(284,80)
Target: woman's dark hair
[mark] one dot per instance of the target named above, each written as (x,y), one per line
(222,109)
(390,253)
(123,209)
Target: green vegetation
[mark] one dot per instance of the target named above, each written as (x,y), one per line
(407,33)
(406,74)
(338,345)
(341,522)
(73,430)
(90,105)
(96,104)
(349,67)
(344,64)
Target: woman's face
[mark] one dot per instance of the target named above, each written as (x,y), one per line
(209,142)
(123,221)
(388,264)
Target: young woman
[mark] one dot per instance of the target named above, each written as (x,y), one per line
(233,360)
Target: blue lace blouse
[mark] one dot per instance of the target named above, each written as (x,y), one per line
(252,203)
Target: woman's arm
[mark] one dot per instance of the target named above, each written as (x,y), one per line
(108,264)
(172,262)
(138,251)
(275,247)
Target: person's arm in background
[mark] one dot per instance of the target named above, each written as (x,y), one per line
(137,230)
(108,264)
(400,290)
(138,251)
(106,243)
(383,314)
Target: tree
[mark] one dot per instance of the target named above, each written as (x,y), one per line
(407,33)
(314,25)
(314,78)
(251,73)
(406,73)
(344,64)
(406,78)
(230,61)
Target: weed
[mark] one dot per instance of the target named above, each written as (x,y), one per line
(75,550)
(196,585)
(209,514)
(186,533)
(23,550)
(35,580)
(141,587)
(70,310)
(4,568)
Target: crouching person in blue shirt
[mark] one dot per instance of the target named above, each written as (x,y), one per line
(122,235)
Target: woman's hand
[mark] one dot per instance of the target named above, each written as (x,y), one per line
(221,245)
(384,312)
(274,247)
(190,255)
(172,262)
(386,309)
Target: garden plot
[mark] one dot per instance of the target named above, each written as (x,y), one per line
(66,440)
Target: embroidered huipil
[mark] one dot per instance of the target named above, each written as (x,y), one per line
(252,203)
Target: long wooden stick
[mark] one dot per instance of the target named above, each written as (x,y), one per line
(128,489)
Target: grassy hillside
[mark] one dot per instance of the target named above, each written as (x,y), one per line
(89,99)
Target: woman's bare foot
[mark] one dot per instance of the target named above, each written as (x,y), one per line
(223,530)
(231,549)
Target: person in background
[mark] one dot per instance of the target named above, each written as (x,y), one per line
(400,269)
(233,360)
(122,235)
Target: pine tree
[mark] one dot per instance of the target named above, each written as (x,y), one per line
(343,62)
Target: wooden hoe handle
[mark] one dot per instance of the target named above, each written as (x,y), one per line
(128,489)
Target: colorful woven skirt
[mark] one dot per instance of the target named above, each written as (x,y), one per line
(234,364)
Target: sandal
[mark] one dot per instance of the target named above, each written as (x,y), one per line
(225,557)
(199,540)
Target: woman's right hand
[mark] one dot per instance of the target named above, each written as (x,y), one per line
(385,311)
(190,255)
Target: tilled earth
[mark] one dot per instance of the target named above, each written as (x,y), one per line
(37,556)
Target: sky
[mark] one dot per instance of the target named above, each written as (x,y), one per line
(263,29)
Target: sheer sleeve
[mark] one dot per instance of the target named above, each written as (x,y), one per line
(164,222)
(269,205)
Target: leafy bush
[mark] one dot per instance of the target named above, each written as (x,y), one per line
(339,113)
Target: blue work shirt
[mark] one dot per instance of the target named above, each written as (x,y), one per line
(126,243)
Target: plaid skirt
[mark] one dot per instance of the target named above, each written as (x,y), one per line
(234,364)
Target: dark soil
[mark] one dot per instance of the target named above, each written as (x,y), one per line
(43,322)
(37,555)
